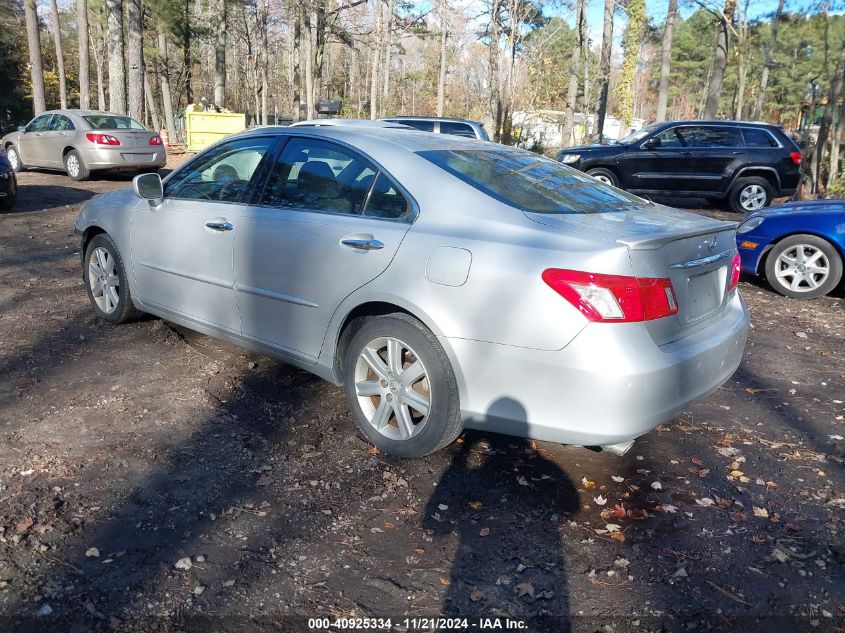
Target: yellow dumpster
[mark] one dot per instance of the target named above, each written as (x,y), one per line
(202,128)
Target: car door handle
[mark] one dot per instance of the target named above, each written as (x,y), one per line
(363,245)
(219,226)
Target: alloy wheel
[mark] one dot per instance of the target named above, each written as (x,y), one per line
(752,197)
(72,165)
(802,268)
(393,388)
(603,178)
(103,280)
(14,160)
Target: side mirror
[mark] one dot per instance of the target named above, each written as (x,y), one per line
(651,143)
(148,186)
(21,128)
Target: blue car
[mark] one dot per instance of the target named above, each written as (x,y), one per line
(799,246)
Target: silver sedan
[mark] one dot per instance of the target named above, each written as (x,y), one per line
(446,283)
(82,141)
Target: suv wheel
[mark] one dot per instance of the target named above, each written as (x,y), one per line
(400,387)
(750,194)
(604,175)
(803,267)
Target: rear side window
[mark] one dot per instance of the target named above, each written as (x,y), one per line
(457,129)
(712,136)
(61,123)
(532,183)
(422,126)
(758,138)
(385,201)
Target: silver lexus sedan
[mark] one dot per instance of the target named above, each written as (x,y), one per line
(82,141)
(446,283)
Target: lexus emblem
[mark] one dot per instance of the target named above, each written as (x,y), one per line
(711,243)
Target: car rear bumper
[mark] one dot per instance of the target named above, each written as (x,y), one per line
(96,158)
(611,384)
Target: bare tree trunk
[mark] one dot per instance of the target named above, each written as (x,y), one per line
(441,75)
(84,65)
(604,67)
(117,71)
(60,58)
(296,59)
(99,46)
(742,75)
(164,81)
(309,63)
(265,61)
(220,56)
(377,44)
(35,69)
(666,60)
(827,118)
(572,92)
(187,62)
(494,78)
(135,82)
(388,24)
(770,54)
(720,61)
(151,103)
(838,131)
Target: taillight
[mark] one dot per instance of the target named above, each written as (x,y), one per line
(102,139)
(735,270)
(796,157)
(155,139)
(616,298)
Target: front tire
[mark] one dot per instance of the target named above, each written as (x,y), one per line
(750,194)
(604,175)
(75,166)
(803,267)
(400,387)
(106,281)
(7,203)
(15,159)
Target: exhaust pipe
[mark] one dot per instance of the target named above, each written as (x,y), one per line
(618,449)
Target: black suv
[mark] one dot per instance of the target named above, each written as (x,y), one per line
(746,164)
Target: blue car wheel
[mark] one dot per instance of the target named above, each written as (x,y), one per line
(803,267)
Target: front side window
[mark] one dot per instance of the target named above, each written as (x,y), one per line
(671,138)
(712,136)
(635,137)
(456,129)
(61,123)
(112,122)
(39,124)
(223,173)
(532,183)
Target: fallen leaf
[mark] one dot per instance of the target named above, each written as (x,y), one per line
(484,532)
(373,450)
(705,502)
(525,589)
(697,461)
(475,505)
(389,525)
(656,485)
(761,513)
(419,551)
(611,527)
(23,525)
(618,480)
(228,583)
(669,508)
(445,582)
(637,514)
(92,552)
(522,481)
(184,563)
(600,500)
(588,484)
(618,537)
(737,473)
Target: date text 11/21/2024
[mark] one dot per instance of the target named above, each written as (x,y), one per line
(413,624)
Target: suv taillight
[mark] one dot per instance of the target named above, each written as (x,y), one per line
(735,269)
(102,139)
(796,157)
(155,139)
(614,298)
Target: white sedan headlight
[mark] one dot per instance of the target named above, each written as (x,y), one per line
(570,158)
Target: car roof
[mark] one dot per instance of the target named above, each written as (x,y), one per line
(410,117)
(359,123)
(718,122)
(79,112)
(362,136)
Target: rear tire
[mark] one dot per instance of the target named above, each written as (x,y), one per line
(400,387)
(105,280)
(822,263)
(75,166)
(7,203)
(604,175)
(15,159)
(750,194)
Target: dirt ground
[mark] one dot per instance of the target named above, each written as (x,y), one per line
(156,479)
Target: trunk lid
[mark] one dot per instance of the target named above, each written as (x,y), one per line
(693,251)
(132,138)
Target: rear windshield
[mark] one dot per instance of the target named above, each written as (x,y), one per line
(532,183)
(113,122)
